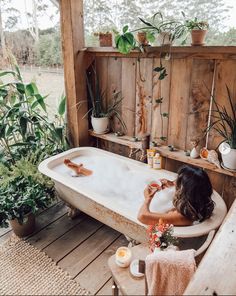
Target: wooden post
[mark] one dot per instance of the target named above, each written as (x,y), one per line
(72,31)
(216,272)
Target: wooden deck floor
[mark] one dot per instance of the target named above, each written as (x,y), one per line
(80,246)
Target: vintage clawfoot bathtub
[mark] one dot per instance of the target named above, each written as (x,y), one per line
(114,193)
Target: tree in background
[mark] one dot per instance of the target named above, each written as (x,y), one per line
(21,44)
(38,8)
(8,19)
(30,45)
(103,14)
(48,52)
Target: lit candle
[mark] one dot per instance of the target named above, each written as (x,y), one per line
(123,256)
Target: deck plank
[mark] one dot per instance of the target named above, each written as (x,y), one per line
(81,246)
(3,231)
(43,219)
(72,239)
(60,204)
(99,268)
(53,231)
(81,257)
(106,289)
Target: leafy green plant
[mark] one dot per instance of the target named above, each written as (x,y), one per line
(24,122)
(125,41)
(225,121)
(157,24)
(195,24)
(97,100)
(23,189)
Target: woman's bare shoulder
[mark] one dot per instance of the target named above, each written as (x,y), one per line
(175,218)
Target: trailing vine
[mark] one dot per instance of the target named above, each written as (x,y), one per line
(161,70)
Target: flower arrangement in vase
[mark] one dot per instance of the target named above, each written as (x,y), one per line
(161,236)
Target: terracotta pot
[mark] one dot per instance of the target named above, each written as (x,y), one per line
(26,228)
(105,39)
(142,38)
(229,159)
(198,37)
(100,125)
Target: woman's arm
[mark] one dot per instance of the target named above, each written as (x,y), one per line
(150,218)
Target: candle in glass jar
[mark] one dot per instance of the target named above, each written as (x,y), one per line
(123,256)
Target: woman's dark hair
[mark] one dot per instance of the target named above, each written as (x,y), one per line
(193,194)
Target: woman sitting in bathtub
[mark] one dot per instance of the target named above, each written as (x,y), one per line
(192,199)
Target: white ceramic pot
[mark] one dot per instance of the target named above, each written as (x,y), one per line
(163,38)
(100,125)
(229,159)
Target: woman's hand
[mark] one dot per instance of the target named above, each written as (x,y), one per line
(166,183)
(149,192)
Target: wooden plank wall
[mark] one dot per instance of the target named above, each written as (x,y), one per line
(186,98)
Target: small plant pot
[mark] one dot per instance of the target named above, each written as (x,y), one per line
(26,228)
(198,37)
(142,38)
(164,38)
(100,125)
(105,39)
(229,159)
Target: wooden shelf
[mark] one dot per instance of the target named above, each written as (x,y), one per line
(122,140)
(179,155)
(177,51)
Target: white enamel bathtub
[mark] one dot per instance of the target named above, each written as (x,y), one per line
(114,193)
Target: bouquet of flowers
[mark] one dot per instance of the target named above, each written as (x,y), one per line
(161,236)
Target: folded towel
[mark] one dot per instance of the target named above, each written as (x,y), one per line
(169,272)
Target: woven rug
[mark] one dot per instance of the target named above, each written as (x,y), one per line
(24,270)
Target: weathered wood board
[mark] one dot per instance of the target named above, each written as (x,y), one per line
(186,93)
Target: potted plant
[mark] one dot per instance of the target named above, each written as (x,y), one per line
(198,31)
(101,114)
(105,39)
(167,30)
(124,41)
(144,38)
(23,190)
(225,125)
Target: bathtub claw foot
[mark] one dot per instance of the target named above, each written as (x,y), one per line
(72,212)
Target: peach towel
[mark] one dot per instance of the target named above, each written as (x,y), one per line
(169,272)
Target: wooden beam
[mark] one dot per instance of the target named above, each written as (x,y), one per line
(217,270)
(72,29)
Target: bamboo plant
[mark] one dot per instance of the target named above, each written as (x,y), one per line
(24,121)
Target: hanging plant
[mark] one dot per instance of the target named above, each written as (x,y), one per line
(163,115)
(161,70)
